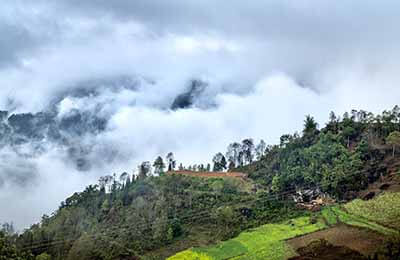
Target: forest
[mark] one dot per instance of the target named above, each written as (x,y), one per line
(153,215)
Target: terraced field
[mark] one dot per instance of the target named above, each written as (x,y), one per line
(385,209)
(275,241)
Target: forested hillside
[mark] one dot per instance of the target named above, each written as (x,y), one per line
(154,215)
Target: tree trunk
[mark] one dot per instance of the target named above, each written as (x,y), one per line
(393,150)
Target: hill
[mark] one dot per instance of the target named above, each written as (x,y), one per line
(154,217)
(351,226)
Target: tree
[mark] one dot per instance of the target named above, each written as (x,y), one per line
(105,182)
(159,166)
(123,178)
(219,162)
(171,161)
(201,168)
(394,140)
(7,249)
(144,170)
(260,149)
(310,126)
(8,228)
(333,123)
(233,154)
(115,184)
(181,168)
(248,150)
(348,132)
(231,165)
(310,130)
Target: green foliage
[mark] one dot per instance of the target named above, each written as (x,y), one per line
(265,242)
(340,159)
(327,164)
(131,217)
(140,217)
(330,216)
(393,139)
(190,255)
(268,241)
(8,250)
(43,256)
(358,221)
(384,209)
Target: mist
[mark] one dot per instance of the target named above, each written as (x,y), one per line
(263,67)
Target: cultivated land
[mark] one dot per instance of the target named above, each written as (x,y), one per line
(359,225)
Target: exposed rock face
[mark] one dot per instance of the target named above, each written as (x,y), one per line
(307,195)
(188,98)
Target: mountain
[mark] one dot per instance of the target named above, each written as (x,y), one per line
(308,183)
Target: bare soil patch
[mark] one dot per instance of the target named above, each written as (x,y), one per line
(361,240)
(323,250)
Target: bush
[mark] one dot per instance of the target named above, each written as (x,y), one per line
(43,256)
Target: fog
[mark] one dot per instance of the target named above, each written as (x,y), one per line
(263,66)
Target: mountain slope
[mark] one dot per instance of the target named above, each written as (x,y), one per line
(154,217)
(273,241)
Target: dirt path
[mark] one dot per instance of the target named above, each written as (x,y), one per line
(361,240)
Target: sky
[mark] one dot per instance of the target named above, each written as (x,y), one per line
(265,64)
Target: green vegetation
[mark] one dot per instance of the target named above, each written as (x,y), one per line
(268,241)
(8,249)
(155,215)
(341,158)
(147,214)
(265,242)
(385,209)
(190,255)
(358,221)
(394,140)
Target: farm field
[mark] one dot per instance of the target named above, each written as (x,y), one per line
(354,225)
(384,209)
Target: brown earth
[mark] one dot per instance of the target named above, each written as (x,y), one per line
(361,240)
(388,182)
(323,250)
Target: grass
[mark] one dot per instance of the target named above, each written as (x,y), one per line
(358,221)
(265,242)
(384,209)
(330,216)
(190,255)
(268,241)
(227,249)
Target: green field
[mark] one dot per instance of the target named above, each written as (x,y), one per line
(268,241)
(265,242)
(384,209)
